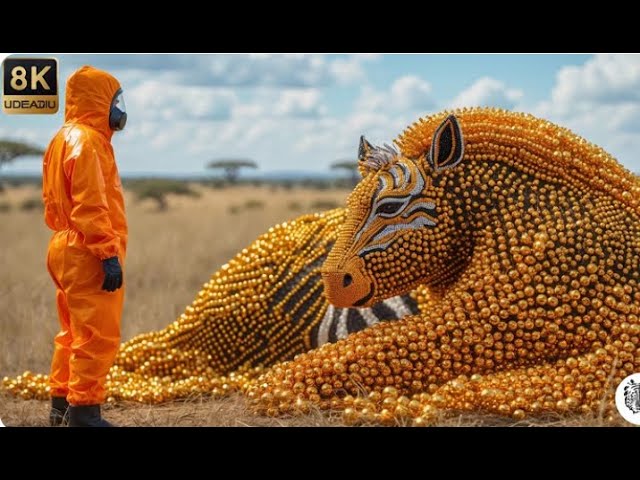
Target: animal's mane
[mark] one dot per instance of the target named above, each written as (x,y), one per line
(381,157)
(541,147)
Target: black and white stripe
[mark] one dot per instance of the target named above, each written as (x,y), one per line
(401,177)
(338,323)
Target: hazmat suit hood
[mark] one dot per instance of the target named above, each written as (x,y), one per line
(89,94)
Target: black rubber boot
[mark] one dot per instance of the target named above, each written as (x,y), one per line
(59,414)
(86,416)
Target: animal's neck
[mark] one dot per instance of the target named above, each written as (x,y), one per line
(482,194)
(477,197)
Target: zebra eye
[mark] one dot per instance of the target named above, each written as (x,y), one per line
(389,208)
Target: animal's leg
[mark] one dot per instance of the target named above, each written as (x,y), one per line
(407,355)
(585,384)
(412,367)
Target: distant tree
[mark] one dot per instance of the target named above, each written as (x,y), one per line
(32,203)
(158,189)
(350,166)
(11,150)
(231,167)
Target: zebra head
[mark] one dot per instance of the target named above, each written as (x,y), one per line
(395,221)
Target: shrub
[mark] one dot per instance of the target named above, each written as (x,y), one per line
(324,204)
(158,189)
(32,203)
(316,184)
(252,204)
(215,183)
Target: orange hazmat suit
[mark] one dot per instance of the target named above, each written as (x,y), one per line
(84,206)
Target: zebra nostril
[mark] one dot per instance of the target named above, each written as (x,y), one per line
(346,281)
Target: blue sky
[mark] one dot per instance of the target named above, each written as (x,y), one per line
(303,112)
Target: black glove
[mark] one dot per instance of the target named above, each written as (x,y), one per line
(112,274)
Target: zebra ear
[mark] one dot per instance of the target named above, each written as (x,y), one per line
(364,149)
(447,146)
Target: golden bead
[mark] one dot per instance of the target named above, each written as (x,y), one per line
(539,311)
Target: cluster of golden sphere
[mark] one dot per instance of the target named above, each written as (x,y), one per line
(260,308)
(542,318)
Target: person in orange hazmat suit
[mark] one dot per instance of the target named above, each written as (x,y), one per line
(84,206)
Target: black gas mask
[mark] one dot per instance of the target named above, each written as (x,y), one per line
(117,112)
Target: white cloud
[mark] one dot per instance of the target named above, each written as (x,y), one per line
(347,70)
(280,123)
(600,100)
(23,134)
(608,79)
(268,107)
(299,103)
(158,100)
(289,71)
(488,92)
(411,93)
(603,81)
(406,94)
(371,100)
(273,70)
(187,109)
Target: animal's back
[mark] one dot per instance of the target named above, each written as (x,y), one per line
(557,186)
(534,146)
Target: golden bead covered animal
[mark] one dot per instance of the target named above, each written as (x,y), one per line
(488,262)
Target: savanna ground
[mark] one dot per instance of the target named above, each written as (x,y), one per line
(171,254)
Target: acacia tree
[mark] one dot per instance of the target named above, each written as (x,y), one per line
(350,166)
(231,167)
(10,150)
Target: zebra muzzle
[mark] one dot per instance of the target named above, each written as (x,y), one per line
(348,286)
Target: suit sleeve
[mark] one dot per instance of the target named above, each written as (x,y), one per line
(90,207)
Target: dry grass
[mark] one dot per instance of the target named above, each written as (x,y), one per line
(170,256)
(232,412)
